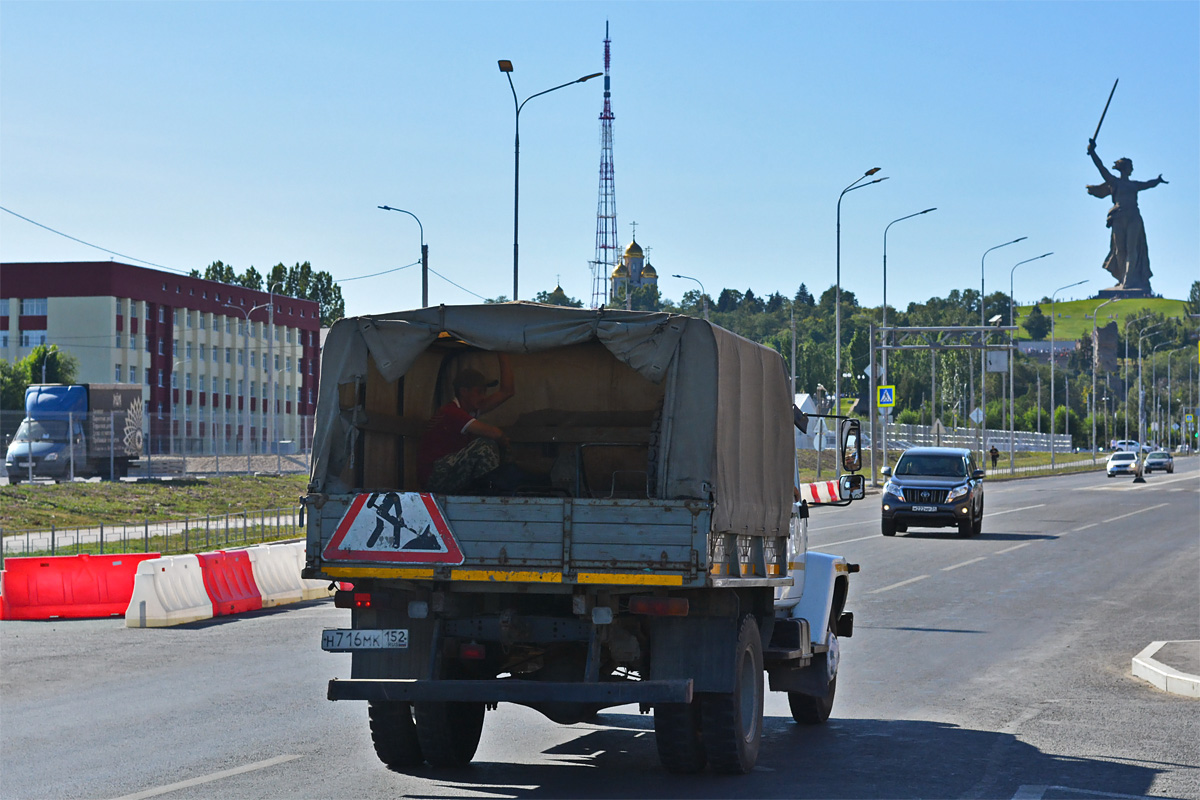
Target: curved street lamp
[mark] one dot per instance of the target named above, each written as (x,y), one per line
(837,300)
(1095,366)
(703,294)
(1012,400)
(506,67)
(424,256)
(983,353)
(1056,291)
(246,377)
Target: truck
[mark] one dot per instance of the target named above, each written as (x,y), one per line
(77,430)
(659,558)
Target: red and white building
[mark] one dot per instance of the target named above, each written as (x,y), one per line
(200,349)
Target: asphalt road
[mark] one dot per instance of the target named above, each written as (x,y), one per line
(996,666)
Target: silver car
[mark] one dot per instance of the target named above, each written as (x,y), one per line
(1158,461)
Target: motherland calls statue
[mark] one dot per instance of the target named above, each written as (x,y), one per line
(1128,257)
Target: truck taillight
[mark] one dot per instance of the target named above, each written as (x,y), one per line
(659,606)
(472,651)
(343,599)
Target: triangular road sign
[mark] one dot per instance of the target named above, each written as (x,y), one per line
(396,527)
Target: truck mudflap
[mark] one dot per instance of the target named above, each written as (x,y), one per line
(608,693)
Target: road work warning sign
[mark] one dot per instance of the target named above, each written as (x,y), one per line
(396,527)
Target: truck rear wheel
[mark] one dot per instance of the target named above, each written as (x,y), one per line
(677,736)
(395,735)
(731,722)
(449,732)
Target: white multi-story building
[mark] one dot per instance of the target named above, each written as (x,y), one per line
(199,348)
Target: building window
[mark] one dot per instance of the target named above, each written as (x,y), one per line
(188,316)
(241,358)
(311,361)
(32,338)
(33,307)
(133,341)
(227,358)
(175,313)
(310,395)
(214,353)
(289,363)
(188,350)
(118,378)
(277,362)
(160,383)
(253,359)
(147,376)
(215,321)
(160,347)
(174,380)
(174,348)
(133,374)
(202,352)
(118,338)
(160,308)
(227,386)
(188,381)
(239,388)
(289,335)
(228,326)
(164,289)
(4,339)
(133,308)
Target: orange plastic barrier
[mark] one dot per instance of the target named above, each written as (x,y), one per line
(68,586)
(229,581)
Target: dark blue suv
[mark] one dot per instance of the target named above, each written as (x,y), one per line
(933,487)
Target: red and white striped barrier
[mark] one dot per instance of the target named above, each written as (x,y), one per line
(820,492)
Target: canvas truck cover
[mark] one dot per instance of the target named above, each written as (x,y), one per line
(726,420)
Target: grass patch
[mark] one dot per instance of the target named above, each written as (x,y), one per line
(1075,321)
(38,506)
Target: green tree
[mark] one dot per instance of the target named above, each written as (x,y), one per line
(1193,301)
(250,279)
(645,298)
(328,297)
(15,378)
(1036,324)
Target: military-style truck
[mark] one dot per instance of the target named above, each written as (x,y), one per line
(79,430)
(659,558)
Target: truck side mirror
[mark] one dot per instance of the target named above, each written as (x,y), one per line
(852,487)
(851,440)
(799,419)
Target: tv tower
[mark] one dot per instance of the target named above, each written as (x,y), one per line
(606,206)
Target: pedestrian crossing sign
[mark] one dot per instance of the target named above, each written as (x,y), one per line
(886,396)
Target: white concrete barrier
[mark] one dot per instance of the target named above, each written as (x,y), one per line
(276,573)
(168,591)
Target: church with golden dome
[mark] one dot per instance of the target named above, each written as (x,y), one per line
(632,272)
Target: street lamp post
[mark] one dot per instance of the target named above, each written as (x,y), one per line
(1012,385)
(884,358)
(837,300)
(1142,386)
(1095,366)
(1125,401)
(983,352)
(506,67)
(703,294)
(271,374)
(246,377)
(1154,386)
(424,256)
(1056,291)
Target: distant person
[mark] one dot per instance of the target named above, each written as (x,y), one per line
(995,454)
(457,450)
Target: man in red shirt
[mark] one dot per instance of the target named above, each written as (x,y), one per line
(457,449)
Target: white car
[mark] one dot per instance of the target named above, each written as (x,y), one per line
(1126,445)
(1122,463)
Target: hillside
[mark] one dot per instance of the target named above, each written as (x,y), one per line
(1074,318)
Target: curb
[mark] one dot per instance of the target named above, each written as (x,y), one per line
(1162,676)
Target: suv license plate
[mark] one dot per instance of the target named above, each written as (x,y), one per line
(339,640)
(924,508)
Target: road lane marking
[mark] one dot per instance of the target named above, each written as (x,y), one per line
(847,541)
(215,776)
(1132,513)
(1014,547)
(898,585)
(963,563)
(1013,510)
(831,527)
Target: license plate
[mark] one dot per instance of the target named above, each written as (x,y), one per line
(25,464)
(924,508)
(340,640)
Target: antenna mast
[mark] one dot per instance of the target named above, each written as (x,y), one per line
(606,205)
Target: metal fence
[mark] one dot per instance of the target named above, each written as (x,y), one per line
(191,534)
(900,437)
(169,445)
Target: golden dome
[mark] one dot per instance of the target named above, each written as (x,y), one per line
(634,250)
(620,271)
(649,272)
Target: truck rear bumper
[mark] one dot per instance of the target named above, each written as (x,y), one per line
(512,691)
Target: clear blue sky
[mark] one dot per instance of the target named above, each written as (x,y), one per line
(182,133)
